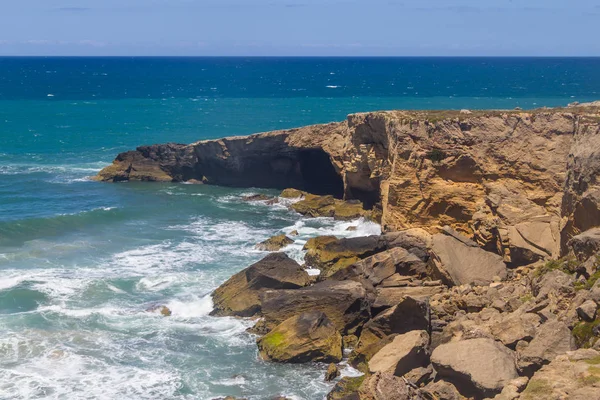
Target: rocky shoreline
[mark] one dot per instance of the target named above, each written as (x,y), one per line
(485,282)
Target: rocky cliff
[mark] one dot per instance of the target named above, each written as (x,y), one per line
(520,183)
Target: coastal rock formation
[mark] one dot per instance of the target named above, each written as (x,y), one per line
(274,243)
(240,295)
(521,183)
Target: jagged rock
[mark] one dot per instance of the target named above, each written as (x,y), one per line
(258,197)
(294,233)
(420,376)
(478,367)
(327,206)
(383,386)
(332,372)
(586,244)
(331,254)
(552,339)
(274,243)
(346,389)
(587,311)
(344,303)
(574,375)
(417,241)
(404,353)
(310,336)
(457,262)
(240,295)
(382,266)
(441,390)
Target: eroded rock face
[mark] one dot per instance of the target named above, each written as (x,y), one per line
(521,183)
(309,336)
(477,367)
(240,295)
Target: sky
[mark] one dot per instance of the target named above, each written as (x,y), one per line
(300,27)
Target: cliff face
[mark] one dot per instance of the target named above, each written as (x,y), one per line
(520,183)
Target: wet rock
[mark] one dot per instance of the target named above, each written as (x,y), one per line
(159,309)
(327,206)
(478,367)
(345,303)
(405,353)
(332,372)
(331,254)
(310,336)
(346,389)
(294,233)
(258,197)
(274,243)
(240,295)
(458,262)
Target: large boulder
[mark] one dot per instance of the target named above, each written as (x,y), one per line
(552,339)
(477,367)
(574,375)
(274,243)
(459,262)
(309,336)
(586,244)
(383,265)
(345,304)
(240,295)
(404,353)
(331,254)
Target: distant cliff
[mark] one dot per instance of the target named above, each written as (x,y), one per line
(520,183)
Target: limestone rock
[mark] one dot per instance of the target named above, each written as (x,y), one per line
(457,263)
(478,367)
(344,303)
(586,244)
(309,336)
(574,375)
(240,295)
(331,254)
(552,339)
(274,243)
(404,353)
(332,372)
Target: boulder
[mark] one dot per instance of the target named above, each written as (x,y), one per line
(440,390)
(240,295)
(477,367)
(586,244)
(384,386)
(381,266)
(587,311)
(345,303)
(510,328)
(416,240)
(404,353)
(159,309)
(457,262)
(258,197)
(312,205)
(386,297)
(346,388)
(331,254)
(574,375)
(309,336)
(274,243)
(552,339)
(332,372)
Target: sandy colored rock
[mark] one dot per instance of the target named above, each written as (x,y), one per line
(383,386)
(586,244)
(309,336)
(240,295)
(274,243)
(477,367)
(406,352)
(552,339)
(332,372)
(588,310)
(458,263)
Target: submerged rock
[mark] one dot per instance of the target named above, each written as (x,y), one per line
(240,295)
(309,336)
(159,309)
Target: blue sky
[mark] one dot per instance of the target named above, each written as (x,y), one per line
(300,27)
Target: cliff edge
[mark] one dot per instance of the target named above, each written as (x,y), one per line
(521,183)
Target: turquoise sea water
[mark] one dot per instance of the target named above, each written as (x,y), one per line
(81,261)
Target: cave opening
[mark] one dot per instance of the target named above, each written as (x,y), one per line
(319,175)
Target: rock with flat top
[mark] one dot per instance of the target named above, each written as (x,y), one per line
(274,243)
(477,367)
(404,353)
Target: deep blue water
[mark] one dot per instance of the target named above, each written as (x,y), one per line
(80,261)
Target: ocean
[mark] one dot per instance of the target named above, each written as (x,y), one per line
(81,261)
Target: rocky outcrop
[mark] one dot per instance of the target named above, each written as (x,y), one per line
(240,295)
(274,243)
(521,183)
(309,336)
